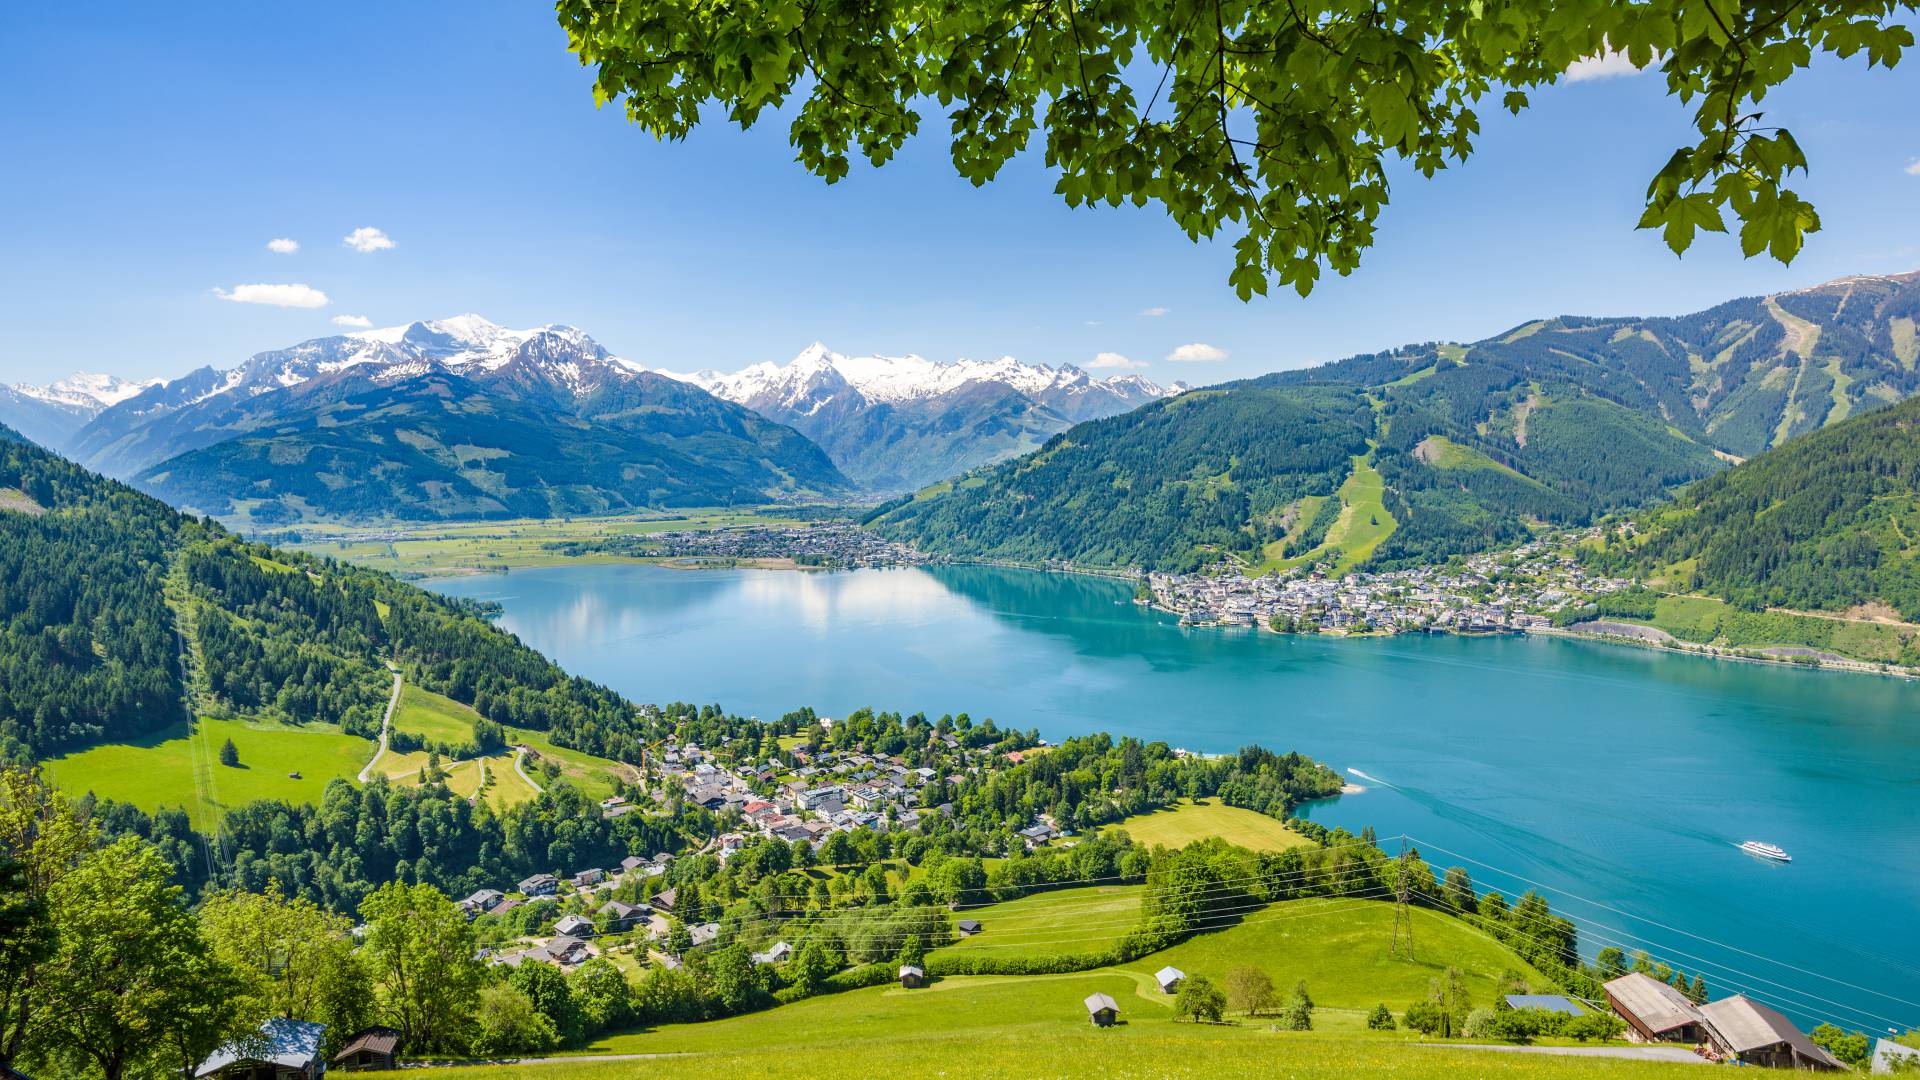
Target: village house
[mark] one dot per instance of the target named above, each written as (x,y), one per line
(621,916)
(632,863)
(285,1050)
(1753,1034)
(565,951)
(374,1049)
(481,902)
(586,878)
(1654,1011)
(540,885)
(574,926)
(778,954)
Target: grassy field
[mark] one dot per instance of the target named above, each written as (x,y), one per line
(1035,1025)
(1342,948)
(456,547)
(593,775)
(160,771)
(1189,821)
(1161,1050)
(1067,922)
(1363,523)
(433,717)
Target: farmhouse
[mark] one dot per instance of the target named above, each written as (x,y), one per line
(1102,1010)
(1549,1002)
(778,954)
(374,1049)
(286,1050)
(540,885)
(911,977)
(1169,979)
(1743,1029)
(1654,1011)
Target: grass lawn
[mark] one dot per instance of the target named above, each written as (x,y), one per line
(593,775)
(1181,825)
(161,770)
(1058,923)
(1342,948)
(1363,523)
(453,547)
(1002,1028)
(433,717)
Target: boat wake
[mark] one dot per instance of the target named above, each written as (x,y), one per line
(1369,779)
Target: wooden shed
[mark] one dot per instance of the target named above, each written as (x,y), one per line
(284,1050)
(911,977)
(1169,978)
(1654,1011)
(374,1049)
(967,927)
(1742,1028)
(1102,1010)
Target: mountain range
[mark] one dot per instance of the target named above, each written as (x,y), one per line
(461,417)
(1430,450)
(50,415)
(896,423)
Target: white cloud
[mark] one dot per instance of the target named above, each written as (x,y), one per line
(1607,65)
(280,245)
(1196,353)
(1913,167)
(367,238)
(300,296)
(1153,312)
(358,322)
(1114,360)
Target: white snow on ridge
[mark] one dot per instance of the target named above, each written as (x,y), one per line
(87,391)
(895,379)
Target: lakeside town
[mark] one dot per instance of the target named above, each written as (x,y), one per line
(1516,590)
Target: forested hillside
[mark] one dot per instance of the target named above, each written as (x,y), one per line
(101,587)
(1556,421)
(1827,523)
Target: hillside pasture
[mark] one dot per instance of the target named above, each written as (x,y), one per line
(178,768)
(1190,820)
(1062,922)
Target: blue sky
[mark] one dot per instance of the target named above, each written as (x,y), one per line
(154,150)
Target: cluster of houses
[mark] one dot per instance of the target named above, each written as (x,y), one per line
(572,942)
(1490,593)
(828,791)
(1737,1028)
(835,544)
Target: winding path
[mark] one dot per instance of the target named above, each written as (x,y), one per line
(520,756)
(386,726)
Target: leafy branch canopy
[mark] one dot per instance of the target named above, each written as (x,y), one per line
(1268,120)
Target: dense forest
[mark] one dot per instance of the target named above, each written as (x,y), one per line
(103,590)
(1825,523)
(1558,421)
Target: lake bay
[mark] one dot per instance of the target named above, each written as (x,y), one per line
(1620,780)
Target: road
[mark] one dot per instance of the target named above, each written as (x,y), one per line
(520,756)
(386,725)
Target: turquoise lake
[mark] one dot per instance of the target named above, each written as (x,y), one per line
(1620,780)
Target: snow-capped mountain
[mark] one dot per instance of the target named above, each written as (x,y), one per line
(560,363)
(895,423)
(49,415)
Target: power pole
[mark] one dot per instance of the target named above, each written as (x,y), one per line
(1402,914)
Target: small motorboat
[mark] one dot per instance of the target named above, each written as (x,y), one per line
(1762,850)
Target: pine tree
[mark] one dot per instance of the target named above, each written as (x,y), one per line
(229,754)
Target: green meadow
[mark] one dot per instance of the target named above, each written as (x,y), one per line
(1182,824)
(1067,922)
(162,769)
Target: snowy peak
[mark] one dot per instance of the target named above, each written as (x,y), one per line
(910,378)
(86,392)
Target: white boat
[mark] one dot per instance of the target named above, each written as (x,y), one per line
(1766,851)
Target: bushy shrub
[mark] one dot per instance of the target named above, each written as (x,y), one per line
(1480,1024)
(1380,1019)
